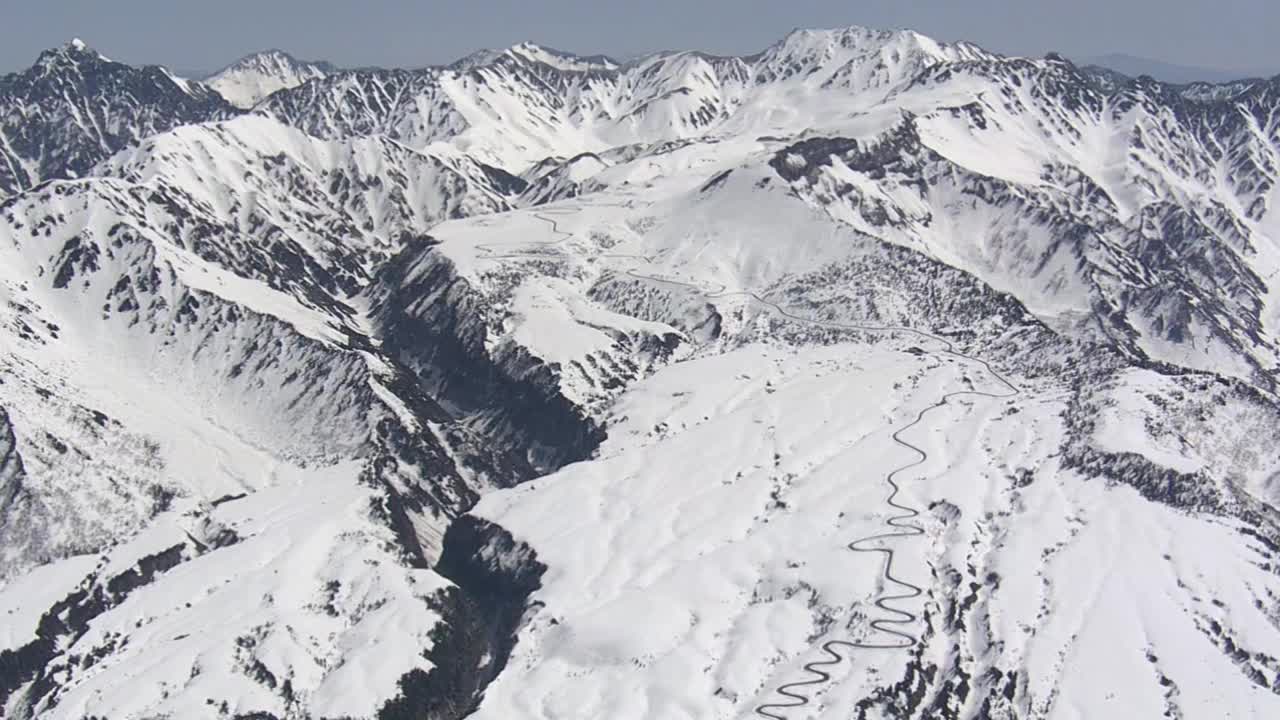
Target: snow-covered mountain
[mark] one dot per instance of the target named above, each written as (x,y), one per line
(248,80)
(74,108)
(865,376)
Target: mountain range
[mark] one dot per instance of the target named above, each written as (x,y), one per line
(1135,66)
(866,376)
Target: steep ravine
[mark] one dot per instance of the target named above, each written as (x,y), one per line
(494,576)
(433,322)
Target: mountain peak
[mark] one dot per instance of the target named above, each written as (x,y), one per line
(561,59)
(76,46)
(245,82)
(74,51)
(533,52)
(271,60)
(856,36)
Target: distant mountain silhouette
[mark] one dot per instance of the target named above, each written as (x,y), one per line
(1134,66)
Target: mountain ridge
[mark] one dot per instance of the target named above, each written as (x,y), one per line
(249,80)
(541,385)
(1174,73)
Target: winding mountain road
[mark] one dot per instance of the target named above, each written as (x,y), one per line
(901,527)
(800,693)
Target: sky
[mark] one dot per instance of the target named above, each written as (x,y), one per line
(204,35)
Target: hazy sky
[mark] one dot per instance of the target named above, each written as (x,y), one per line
(206,34)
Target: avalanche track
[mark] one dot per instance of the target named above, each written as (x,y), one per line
(899,524)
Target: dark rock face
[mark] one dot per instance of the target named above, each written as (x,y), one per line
(74,108)
(366,102)
(20,510)
(502,181)
(513,397)
(1202,492)
(684,309)
(11,470)
(495,575)
(39,660)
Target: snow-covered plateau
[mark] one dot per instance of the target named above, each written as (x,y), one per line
(868,376)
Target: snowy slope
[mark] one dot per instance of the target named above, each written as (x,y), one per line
(716,517)
(138,432)
(1138,174)
(865,376)
(632,529)
(248,80)
(718,520)
(162,325)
